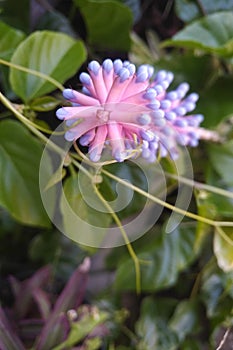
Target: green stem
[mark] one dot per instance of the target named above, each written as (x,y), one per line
(167,205)
(28,124)
(126,239)
(33,72)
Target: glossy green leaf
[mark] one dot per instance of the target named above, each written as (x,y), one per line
(9,40)
(212,34)
(186,318)
(80,220)
(20,155)
(44,104)
(221,159)
(190,10)
(108,23)
(55,54)
(166,255)
(216,289)
(223,248)
(152,325)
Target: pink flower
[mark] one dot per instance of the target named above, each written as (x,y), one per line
(131,112)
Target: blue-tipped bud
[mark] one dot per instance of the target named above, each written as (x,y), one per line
(150,94)
(131,68)
(86,91)
(147,135)
(180,110)
(182,139)
(85,78)
(181,123)
(144,119)
(159,89)
(70,122)
(165,104)
(61,113)
(119,156)
(108,65)
(182,90)
(158,114)
(124,74)
(68,94)
(94,67)
(170,116)
(69,135)
(192,97)
(94,155)
(142,74)
(117,64)
(172,95)
(161,75)
(150,71)
(189,106)
(154,105)
(170,77)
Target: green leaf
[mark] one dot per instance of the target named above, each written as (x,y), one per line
(216,101)
(55,54)
(221,159)
(83,223)
(152,326)
(216,286)
(16,13)
(186,318)
(44,104)
(20,155)
(9,40)
(190,10)
(108,23)
(166,255)
(212,34)
(223,248)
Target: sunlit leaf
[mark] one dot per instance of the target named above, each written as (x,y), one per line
(9,40)
(212,34)
(223,248)
(55,54)
(19,174)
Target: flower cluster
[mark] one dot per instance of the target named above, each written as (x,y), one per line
(130,111)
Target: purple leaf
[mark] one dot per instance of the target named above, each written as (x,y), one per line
(29,329)
(25,293)
(42,300)
(8,338)
(70,298)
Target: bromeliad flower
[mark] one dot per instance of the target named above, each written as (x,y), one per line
(131,112)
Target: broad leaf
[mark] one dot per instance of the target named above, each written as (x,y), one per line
(223,248)
(81,221)
(221,159)
(190,10)
(212,33)
(20,155)
(166,255)
(216,101)
(54,54)
(186,318)
(9,40)
(152,326)
(108,23)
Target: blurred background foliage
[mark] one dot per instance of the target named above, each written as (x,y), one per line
(187,288)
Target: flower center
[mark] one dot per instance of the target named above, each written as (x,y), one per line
(103,115)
